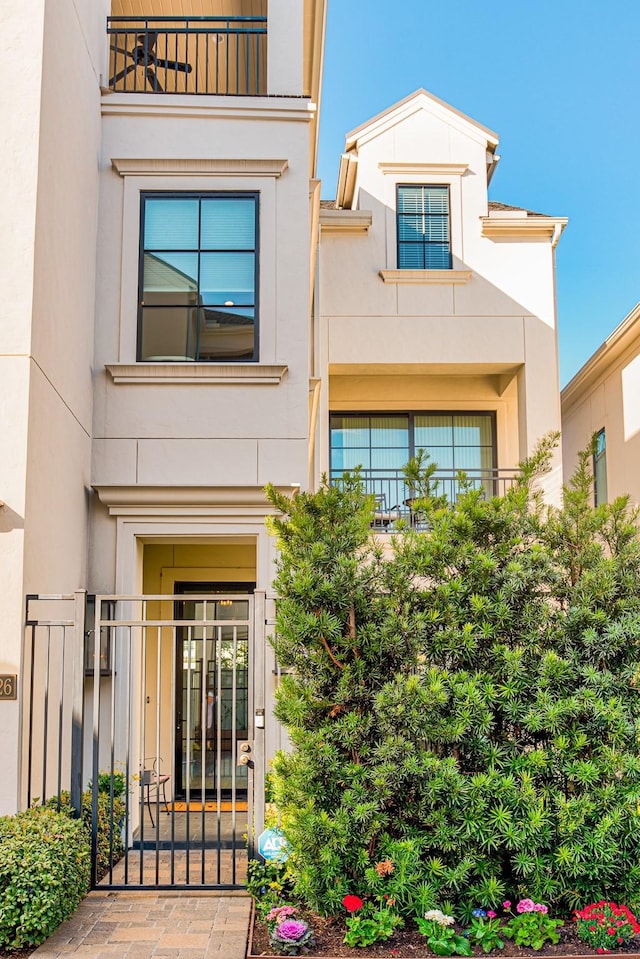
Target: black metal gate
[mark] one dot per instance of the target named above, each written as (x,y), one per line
(146,705)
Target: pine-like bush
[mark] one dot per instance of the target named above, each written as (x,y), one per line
(465,705)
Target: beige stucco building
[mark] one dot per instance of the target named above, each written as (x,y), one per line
(603,399)
(185,321)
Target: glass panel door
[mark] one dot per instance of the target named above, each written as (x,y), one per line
(212,707)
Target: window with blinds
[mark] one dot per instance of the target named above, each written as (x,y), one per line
(198,277)
(423,227)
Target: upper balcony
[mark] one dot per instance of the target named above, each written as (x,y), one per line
(209,55)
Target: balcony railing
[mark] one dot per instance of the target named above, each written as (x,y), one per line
(195,55)
(395,501)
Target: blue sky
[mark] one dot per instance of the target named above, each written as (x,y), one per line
(559,81)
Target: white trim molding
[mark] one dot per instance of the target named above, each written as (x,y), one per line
(439,277)
(526,227)
(349,222)
(230,374)
(162,500)
(162,166)
(424,169)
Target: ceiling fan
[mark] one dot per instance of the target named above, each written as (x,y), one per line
(144,55)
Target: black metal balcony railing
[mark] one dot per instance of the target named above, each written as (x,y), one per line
(195,55)
(394,500)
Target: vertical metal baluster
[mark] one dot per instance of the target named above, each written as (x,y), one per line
(143,733)
(247,60)
(174,680)
(113,644)
(188,751)
(127,808)
(195,82)
(96,742)
(258,85)
(226,89)
(234,738)
(158,630)
(31,686)
(60,719)
(204,694)
(219,745)
(207,39)
(45,731)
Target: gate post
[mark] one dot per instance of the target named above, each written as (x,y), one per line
(259,770)
(77,700)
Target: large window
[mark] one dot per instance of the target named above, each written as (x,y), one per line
(600,469)
(382,443)
(424,241)
(198,277)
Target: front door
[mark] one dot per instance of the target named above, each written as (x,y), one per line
(212,690)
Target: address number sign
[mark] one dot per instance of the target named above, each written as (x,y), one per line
(8,687)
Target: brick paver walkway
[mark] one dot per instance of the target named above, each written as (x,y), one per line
(180,925)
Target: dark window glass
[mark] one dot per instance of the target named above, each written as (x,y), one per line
(198,278)
(600,469)
(423,228)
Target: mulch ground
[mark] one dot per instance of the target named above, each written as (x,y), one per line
(407,943)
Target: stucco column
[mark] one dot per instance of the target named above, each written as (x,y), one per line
(285,48)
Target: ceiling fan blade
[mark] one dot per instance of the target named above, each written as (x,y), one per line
(126,52)
(174,65)
(153,80)
(122,74)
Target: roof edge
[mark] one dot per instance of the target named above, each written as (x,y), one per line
(608,350)
(356,133)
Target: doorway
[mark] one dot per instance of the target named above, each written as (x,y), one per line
(212,689)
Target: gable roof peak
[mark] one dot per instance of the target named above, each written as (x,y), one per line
(420,98)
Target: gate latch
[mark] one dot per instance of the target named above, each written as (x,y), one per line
(244,754)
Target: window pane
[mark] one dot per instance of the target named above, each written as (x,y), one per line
(168,333)
(170,273)
(437,256)
(411,257)
(389,459)
(410,199)
(225,336)
(436,228)
(472,430)
(171,224)
(348,459)
(348,432)
(390,431)
(411,228)
(441,455)
(228,224)
(470,458)
(433,431)
(227,278)
(436,199)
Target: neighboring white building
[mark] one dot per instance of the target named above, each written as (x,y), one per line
(185,321)
(603,399)
(436,322)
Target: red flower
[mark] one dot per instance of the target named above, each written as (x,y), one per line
(352,903)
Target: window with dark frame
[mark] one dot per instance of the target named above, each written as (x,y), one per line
(198,277)
(600,469)
(386,441)
(423,227)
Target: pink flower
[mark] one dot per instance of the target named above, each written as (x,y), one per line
(491,914)
(506,904)
(525,905)
(292,930)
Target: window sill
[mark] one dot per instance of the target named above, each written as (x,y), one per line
(426,276)
(229,374)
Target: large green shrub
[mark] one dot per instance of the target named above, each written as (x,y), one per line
(473,693)
(44,873)
(110,847)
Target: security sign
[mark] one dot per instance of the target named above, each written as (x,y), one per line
(273,845)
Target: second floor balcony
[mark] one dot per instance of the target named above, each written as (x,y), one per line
(395,500)
(225,56)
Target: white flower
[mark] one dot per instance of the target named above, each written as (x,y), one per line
(435,915)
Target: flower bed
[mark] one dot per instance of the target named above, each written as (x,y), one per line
(407,942)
